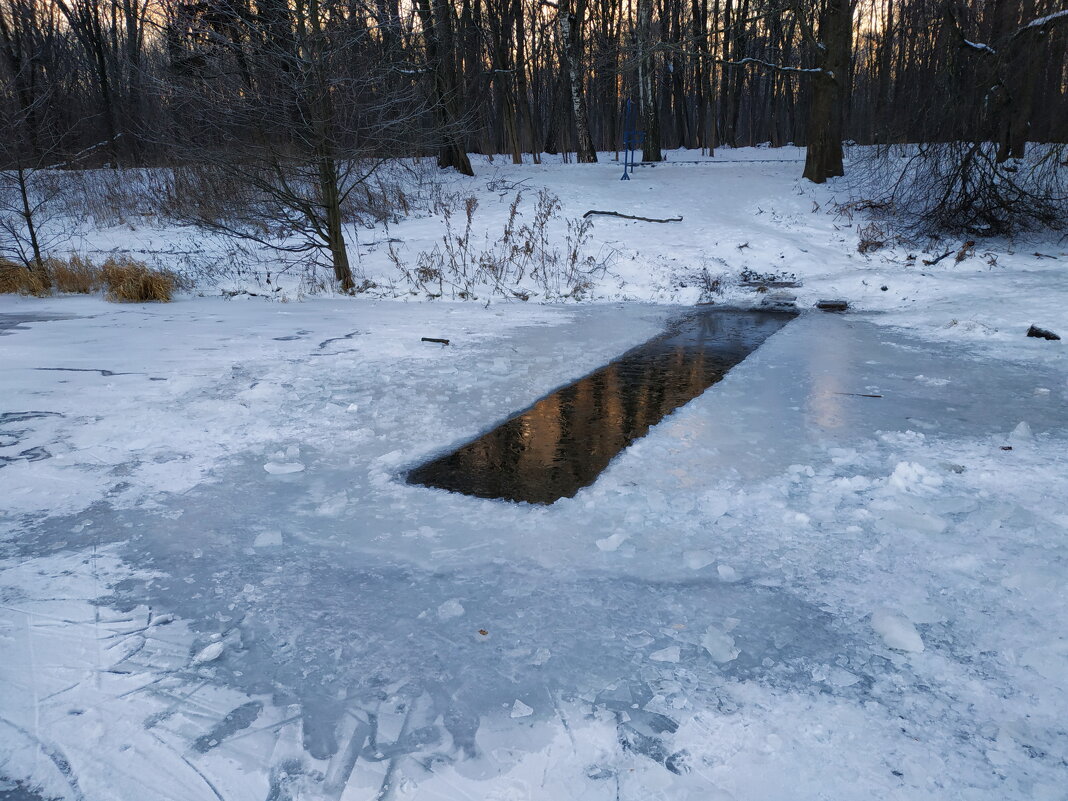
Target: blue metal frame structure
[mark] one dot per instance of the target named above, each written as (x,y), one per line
(632,139)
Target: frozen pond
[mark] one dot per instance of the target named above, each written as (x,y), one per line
(564,441)
(220,586)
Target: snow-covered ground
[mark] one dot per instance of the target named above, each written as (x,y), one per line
(214,583)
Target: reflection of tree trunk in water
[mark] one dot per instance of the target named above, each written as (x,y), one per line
(566,439)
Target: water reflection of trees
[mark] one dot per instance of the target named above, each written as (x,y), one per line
(566,439)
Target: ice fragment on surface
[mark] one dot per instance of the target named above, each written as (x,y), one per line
(902,518)
(727,573)
(282,468)
(209,654)
(268,539)
(840,677)
(695,560)
(932,382)
(719,644)
(912,477)
(521,710)
(1022,433)
(669,654)
(639,639)
(613,542)
(896,630)
(450,609)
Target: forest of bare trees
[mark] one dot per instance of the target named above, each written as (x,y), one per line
(119,81)
(295,100)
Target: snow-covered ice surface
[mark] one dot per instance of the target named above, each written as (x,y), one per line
(215,584)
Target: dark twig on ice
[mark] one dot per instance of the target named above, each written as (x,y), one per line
(432,339)
(858,394)
(591,212)
(933,262)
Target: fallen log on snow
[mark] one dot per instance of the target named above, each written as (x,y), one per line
(632,216)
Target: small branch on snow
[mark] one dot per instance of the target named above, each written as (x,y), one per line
(933,262)
(591,212)
(433,339)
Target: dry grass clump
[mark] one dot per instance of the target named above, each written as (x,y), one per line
(15,279)
(129,280)
(76,275)
(121,277)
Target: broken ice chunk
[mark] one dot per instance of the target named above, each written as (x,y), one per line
(914,478)
(521,710)
(209,654)
(695,560)
(613,542)
(727,573)
(719,644)
(268,539)
(450,609)
(1021,434)
(669,654)
(896,630)
(282,468)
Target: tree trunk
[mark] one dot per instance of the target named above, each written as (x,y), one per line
(571,41)
(829,91)
(335,235)
(27,216)
(647,84)
(324,128)
(437,33)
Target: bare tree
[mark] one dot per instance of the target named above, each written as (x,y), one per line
(571,20)
(278,144)
(32,136)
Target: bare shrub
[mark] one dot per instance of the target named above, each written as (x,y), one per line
(128,280)
(872,237)
(524,259)
(710,284)
(961,188)
(108,197)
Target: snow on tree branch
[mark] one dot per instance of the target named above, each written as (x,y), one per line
(983,48)
(777,67)
(1043,21)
